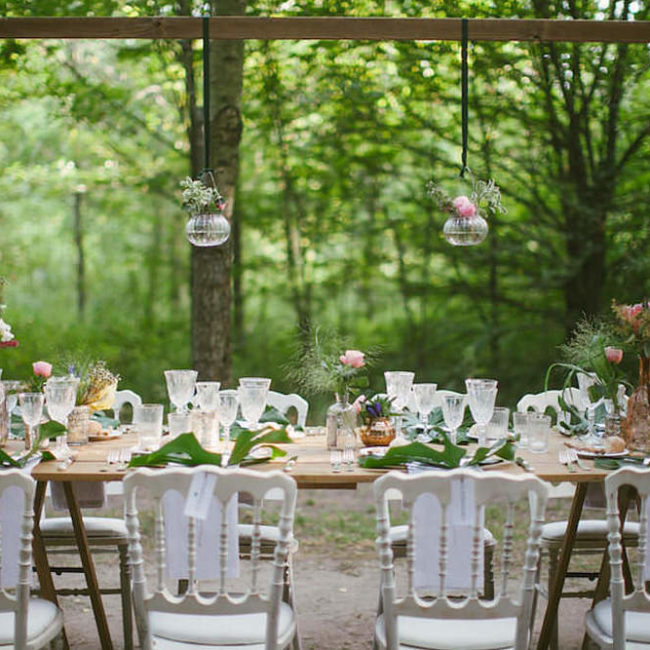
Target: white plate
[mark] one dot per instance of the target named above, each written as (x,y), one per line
(591,454)
(261,453)
(373,451)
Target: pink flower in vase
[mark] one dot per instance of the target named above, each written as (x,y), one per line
(353,358)
(358,403)
(42,369)
(464,207)
(614,355)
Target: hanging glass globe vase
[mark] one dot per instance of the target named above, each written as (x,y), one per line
(207,229)
(465,231)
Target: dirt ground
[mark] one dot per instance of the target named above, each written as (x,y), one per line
(336,577)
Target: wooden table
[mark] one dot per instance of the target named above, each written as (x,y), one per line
(312,470)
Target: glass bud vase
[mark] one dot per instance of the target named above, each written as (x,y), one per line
(637,423)
(334,422)
(78,425)
(465,231)
(612,419)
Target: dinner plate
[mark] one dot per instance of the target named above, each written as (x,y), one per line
(592,454)
(373,451)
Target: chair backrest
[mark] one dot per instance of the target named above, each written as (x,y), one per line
(16,535)
(123,397)
(221,485)
(484,489)
(551,399)
(638,599)
(283,402)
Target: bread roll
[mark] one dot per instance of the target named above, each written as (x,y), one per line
(614,445)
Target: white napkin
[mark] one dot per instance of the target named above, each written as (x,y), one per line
(427,514)
(207,540)
(90,494)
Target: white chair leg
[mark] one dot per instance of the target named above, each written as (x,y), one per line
(552,570)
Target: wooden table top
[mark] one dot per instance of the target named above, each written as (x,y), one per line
(312,469)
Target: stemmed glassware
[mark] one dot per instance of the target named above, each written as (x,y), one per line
(453,411)
(481,394)
(585,382)
(425,396)
(252,400)
(180,387)
(61,395)
(398,388)
(31,408)
(228,404)
(207,395)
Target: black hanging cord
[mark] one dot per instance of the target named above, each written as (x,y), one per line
(206,93)
(464,93)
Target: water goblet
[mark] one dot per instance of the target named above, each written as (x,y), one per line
(228,405)
(207,395)
(453,411)
(264,382)
(180,387)
(60,397)
(481,394)
(398,387)
(147,421)
(425,397)
(252,400)
(520,425)
(31,408)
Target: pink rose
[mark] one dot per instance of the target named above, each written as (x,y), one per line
(42,369)
(635,310)
(352,358)
(614,355)
(464,207)
(358,403)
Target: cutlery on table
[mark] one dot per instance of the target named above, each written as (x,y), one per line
(573,455)
(564,459)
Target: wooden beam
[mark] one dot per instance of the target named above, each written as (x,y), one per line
(329,28)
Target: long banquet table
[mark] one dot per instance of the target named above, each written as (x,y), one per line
(312,470)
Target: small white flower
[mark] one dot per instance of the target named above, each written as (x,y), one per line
(5,332)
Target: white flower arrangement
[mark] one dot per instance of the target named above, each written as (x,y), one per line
(5,332)
(198,197)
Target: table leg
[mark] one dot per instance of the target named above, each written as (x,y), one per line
(555,593)
(88,566)
(48,591)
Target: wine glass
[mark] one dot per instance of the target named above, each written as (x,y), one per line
(425,396)
(252,400)
(398,387)
(585,382)
(207,395)
(453,411)
(228,405)
(180,387)
(482,394)
(60,396)
(31,408)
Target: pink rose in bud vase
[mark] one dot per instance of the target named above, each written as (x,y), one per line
(464,207)
(358,403)
(614,355)
(353,358)
(42,369)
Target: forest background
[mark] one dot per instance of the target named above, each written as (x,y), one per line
(323,152)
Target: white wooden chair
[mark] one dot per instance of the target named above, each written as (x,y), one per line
(623,620)
(25,623)
(438,618)
(283,402)
(591,535)
(226,616)
(123,397)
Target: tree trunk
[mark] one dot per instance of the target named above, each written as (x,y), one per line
(81,267)
(211,349)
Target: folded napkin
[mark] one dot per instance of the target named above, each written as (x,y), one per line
(427,516)
(90,494)
(207,538)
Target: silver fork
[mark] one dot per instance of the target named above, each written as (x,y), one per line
(563,457)
(573,455)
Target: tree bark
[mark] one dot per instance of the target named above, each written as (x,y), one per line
(81,266)
(211,347)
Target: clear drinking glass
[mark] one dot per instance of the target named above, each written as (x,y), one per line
(398,387)
(228,405)
(206,428)
(60,397)
(539,426)
(497,427)
(11,387)
(147,421)
(180,387)
(425,396)
(263,382)
(520,424)
(31,408)
(453,411)
(179,423)
(207,395)
(252,400)
(585,382)
(481,394)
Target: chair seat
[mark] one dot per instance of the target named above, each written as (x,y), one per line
(44,621)
(96,527)
(451,634)
(637,625)
(590,531)
(397,536)
(208,631)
